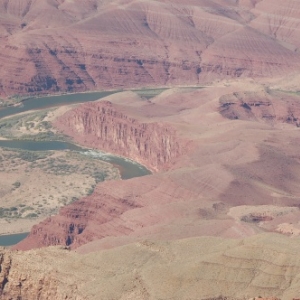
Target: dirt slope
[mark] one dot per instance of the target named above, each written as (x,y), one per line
(59,46)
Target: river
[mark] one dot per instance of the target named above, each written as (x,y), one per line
(128,168)
(52,101)
(12,239)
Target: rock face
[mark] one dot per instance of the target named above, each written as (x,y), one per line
(184,269)
(68,46)
(85,221)
(26,278)
(243,148)
(100,125)
(261,106)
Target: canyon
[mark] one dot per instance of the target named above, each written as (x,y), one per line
(68,46)
(218,218)
(233,178)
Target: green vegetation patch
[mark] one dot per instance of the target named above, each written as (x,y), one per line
(18,212)
(33,121)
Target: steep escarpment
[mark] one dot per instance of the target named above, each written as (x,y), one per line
(101,125)
(225,163)
(105,126)
(140,222)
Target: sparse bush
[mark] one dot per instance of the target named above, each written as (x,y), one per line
(32,215)
(17,184)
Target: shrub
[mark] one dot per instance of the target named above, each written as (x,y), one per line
(17,184)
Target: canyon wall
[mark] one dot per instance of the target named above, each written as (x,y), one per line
(100,125)
(61,46)
(206,164)
(28,277)
(94,217)
(127,229)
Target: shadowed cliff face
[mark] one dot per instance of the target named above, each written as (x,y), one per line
(209,159)
(102,126)
(239,178)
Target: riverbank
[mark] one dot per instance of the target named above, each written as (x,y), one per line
(16,226)
(36,184)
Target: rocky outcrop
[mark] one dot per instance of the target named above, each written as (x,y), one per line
(222,163)
(26,278)
(103,125)
(270,108)
(5,263)
(100,125)
(82,222)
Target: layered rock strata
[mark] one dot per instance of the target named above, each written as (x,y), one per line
(67,46)
(100,125)
(90,218)
(269,107)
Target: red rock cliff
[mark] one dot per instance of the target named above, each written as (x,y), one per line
(103,126)
(81,222)
(100,125)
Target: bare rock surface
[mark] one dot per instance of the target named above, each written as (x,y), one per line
(263,106)
(195,268)
(102,126)
(69,46)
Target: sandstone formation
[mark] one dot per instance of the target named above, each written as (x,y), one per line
(212,164)
(67,46)
(102,126)
(196,268)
